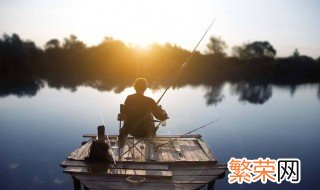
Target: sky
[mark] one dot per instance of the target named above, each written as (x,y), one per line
(286,24)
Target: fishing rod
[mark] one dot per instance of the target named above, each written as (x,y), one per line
(171,140)
(108,140)
(186,62)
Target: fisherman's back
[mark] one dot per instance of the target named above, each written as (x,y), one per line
(138,112)
(139,119)
(138,99)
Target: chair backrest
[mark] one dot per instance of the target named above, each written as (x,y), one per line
(136,118)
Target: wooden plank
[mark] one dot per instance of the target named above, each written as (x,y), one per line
(75,155)
(158,136)
(122,172)
(119,165)
(75,152)
(191,151)
(197,151)
(177,149)
(158,152)
(174,153)
(204,172)
(187,152)
(75,163)
(154,156)
(85,152)
(206,149)
(165,140)
(175,179)
(194,179)
(195,166)
(142,186)
(165,153)
(169,150)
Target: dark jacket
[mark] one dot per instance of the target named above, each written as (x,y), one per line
(139,117)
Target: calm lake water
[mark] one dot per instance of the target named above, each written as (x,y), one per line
(38,132)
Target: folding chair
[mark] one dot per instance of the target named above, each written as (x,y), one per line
(136,120)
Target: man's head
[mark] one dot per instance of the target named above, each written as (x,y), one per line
(140,85)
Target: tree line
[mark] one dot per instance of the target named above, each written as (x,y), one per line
(113,65)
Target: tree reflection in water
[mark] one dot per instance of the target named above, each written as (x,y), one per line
(253,93)
(213,95)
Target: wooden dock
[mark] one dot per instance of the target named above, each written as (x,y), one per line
(186,163)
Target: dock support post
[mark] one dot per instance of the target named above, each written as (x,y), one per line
(211,185)
(76,184)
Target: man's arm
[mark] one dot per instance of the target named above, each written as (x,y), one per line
(158,112)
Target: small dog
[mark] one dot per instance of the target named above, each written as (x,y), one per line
(100,152)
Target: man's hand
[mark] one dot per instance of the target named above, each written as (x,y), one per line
(164,113)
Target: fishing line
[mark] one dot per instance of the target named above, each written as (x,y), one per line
(193,130)
(108,140)
(185,64)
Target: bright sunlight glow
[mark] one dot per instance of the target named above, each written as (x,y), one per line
(286,24)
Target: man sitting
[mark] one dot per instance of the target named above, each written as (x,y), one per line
(139,113)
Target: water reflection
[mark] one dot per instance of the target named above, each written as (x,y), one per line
(19,87)
(254,93)
(40,132)
(319,92)
(214,94)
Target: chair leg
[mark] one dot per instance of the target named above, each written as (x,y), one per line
(132,147)
(128,149)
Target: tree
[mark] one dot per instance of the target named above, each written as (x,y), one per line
(255,50)
(53,43)
(296,53)
(217,46)
(73,43)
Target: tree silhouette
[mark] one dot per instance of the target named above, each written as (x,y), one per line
(73,43)
(255,50)
(217,46)
(296,53)
(113,65)
(53,43)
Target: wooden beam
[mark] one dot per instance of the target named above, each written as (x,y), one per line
(158,136)
(121,172)
(142,186)
(175,179)
(205,147)
(142,166)
(210,185)
(76,183)
(205,172)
